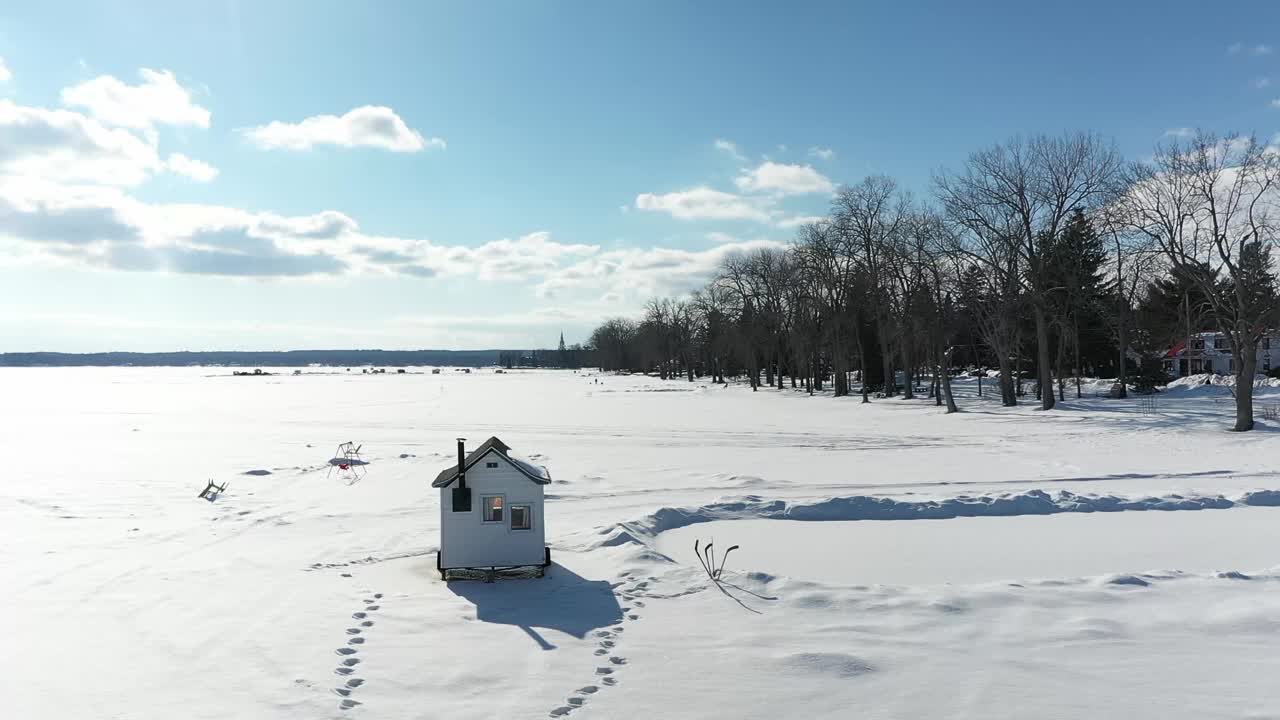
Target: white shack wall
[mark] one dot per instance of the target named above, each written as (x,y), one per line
(466,541)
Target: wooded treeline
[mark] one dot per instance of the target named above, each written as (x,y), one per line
(1047,258)
(572,357)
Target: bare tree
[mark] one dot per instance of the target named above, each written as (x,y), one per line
(1207,204)
(712,312)
(825,256)
(931,239)
(613,341)
(869,216)
(987,263)
(1023,191)
(1135,257)
(737,282)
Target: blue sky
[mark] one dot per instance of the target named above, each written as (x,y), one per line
(473,175)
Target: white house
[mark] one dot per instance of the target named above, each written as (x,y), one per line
(1210,352)
(491,511)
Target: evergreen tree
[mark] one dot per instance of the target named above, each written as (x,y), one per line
(1259,291)
(1077,287)
(1172,307)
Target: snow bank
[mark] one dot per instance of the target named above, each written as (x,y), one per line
(1222,381)
(869,507)
(1091,386)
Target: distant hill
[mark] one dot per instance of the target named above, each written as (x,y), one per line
(288,358)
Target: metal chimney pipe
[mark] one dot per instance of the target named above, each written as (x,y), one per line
(462,458)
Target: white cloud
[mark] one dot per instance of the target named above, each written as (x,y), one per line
(53,222)
(1262,82)
(158,100)
(106,228)
(321,226)
(798,220)
(640,273)
(67,146)
(532,254)
(1181,132)
(197,170)
(730,148)
(5,75)
(703,203)
(543,317)
(64,179)
(783,179)
(1256,50)
(367,126)
(1275,103)
(822,153)
(62,200)
(66,219)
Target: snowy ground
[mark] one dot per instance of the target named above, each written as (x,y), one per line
(295,595)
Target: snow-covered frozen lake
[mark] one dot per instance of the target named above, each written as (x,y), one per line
(296,595)
(990,549)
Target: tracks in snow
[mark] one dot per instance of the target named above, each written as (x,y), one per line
(347,668)
(611,660)
(369,560)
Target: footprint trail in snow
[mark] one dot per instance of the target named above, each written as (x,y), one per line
(355,640)
(607,643)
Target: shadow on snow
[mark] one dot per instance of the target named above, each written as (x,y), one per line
(562,601)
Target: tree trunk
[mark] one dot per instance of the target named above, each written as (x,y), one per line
(1075,327)
(908,393)
(862,360)
(1008,390)
(1042,358)
(1062,359)
(839,378)
(946,382)
(1123,377)
(1246,366)
(1017,366)
(839,361)
(935,385)
(886,360)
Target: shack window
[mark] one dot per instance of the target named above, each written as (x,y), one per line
(493,508)
(521,518)
(491,464)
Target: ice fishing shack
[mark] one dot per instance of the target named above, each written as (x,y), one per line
(491,511)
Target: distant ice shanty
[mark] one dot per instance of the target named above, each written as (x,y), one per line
(491,511)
